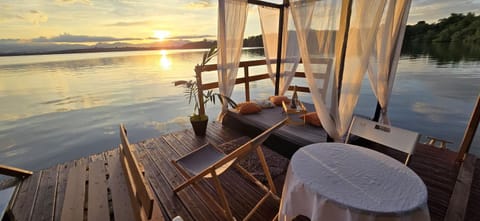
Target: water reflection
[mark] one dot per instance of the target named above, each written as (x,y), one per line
(443,53)
(165,62)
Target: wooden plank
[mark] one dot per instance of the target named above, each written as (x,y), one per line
(473,213)
(117,183)
(242,80)
(23,205)
(172,205)
(73,205)
(61,187)
(191,200)
(459,200)
(13,171)
(97,207)
(213,67)
(44,208)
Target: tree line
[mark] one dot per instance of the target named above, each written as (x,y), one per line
(456,28)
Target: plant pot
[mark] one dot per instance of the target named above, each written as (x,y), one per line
(199,124)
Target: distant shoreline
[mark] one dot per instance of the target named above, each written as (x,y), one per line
(94,50)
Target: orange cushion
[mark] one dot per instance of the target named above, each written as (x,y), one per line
(277,100)
(312,118)
(248,108)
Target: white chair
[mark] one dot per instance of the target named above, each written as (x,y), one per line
(393,137)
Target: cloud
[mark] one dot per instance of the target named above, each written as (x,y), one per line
(68,38)
(201,4)
(190,37)
(32,16)
(132,23)
(35,17)
(73,1)
(432,10)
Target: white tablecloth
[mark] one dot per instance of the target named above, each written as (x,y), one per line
(336,181)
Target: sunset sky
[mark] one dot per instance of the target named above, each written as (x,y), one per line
(39,22)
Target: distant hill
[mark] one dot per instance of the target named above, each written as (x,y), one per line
(456,28)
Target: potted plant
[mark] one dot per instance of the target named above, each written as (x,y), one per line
(199,120)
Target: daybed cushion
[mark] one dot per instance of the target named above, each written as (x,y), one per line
(277,100)
(311,118)
(248,108)
(297,135)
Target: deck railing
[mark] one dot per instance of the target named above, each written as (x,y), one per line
(247,78)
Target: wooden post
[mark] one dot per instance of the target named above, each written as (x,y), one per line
(198,76)
(470,131)
(346,14)
(247,83)
(376,116)
(279,50)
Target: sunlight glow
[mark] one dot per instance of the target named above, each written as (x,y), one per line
(165,62)
(161,34)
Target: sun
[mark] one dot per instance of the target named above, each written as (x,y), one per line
(161,34)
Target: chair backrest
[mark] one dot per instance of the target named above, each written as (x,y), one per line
(140,193)
(247,147)
(393,137)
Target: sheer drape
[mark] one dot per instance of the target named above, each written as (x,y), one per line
(232,16)
(384,60)
(269,18)
(320,39)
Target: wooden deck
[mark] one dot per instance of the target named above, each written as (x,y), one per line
(42,196)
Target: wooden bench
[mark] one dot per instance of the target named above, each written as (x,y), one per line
(112,188)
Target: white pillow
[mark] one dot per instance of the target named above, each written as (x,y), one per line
(264,103)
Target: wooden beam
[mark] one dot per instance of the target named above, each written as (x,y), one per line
(457,206)
(213,67)
(279,49)
(470,131)
(345,26)
(15,172)
(247,84)
(267,4)
(237,81)
(299,89)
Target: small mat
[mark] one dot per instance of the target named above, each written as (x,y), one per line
(277,163)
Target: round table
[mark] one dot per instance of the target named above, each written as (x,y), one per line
(336,181)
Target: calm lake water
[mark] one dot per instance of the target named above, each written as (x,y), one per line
(56,108)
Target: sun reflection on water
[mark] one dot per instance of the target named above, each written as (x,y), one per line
(165,62)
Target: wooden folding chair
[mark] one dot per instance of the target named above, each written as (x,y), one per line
(210,162)
(144,205)
(393,137)
(9,188)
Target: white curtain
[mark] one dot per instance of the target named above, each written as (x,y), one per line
(232,16)
(269,18)
(384,60)
(320,26)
